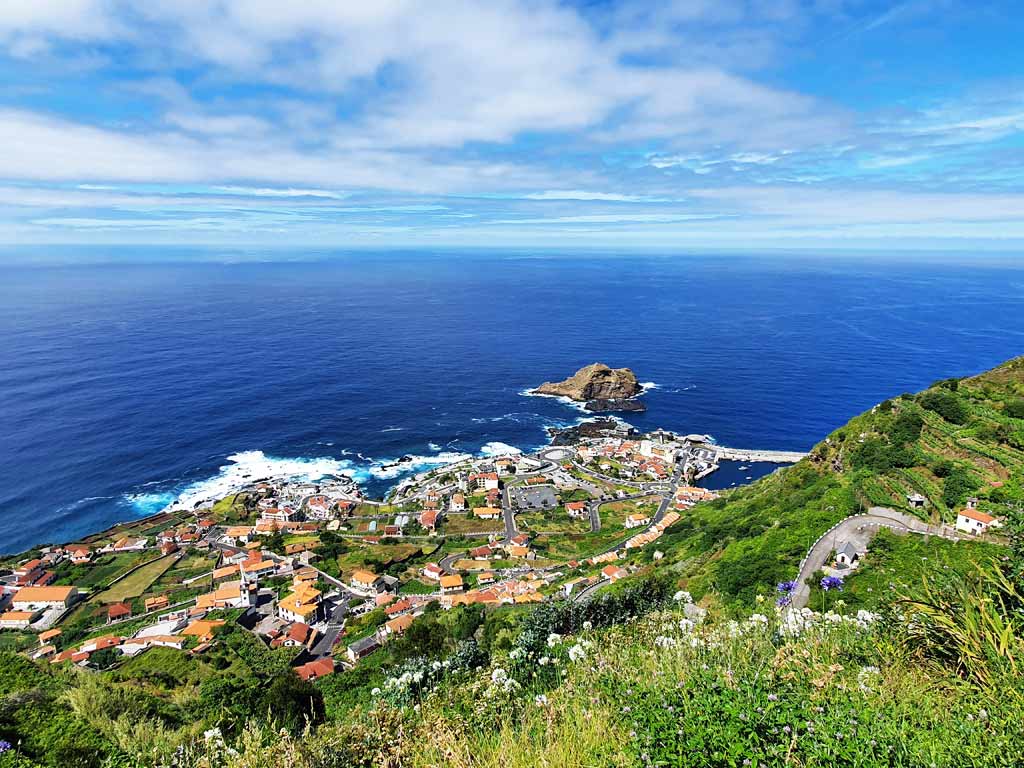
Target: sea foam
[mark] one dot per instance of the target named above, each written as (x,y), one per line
(248,467)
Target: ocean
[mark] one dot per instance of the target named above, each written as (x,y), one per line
(127,383)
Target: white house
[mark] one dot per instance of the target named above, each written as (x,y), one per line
(975,522)
(636,520)
(846,555)
(36,598)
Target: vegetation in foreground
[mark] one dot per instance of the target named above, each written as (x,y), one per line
(916,662)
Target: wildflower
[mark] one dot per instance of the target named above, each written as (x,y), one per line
(866,676)
(5,746)
(773,697)
(587,626)
(553,639)
(759,599)
(786,587)
(375,692)
(499,675)
(832,582)
(577,653)
(540,700)
(682,596)
(213,735)
(783,601)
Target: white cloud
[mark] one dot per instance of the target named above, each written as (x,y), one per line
(577,194)
(837,207)
(615,218)
(274,192)
(466,71)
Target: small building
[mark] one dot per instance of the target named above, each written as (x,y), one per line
(157,603)
(33,598)
(202,628)
(48,635)
(847,555)
(303,604)
(79,553)
(636,520)
(450,584)
(485,577)
(118,611)
(315,669)
(916,501)
(298,635)
(230,594)
(613,572)
(457,503)
(17,619)
(487,513)
(129,544)
(362,648)
(576,509)
(484,481)
(429,520)
(432,571)
(398,625)
(974,521)
(367,581)
(485,552)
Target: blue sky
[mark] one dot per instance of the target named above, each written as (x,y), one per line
(675,124)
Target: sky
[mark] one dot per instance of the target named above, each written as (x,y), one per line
(624,124)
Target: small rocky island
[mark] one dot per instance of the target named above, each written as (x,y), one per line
(601,388)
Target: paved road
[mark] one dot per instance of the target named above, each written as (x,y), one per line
(335,621)
(859,530)
(508,515)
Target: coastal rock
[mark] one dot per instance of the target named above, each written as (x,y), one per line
(616,404)
(594,382)
(590,429)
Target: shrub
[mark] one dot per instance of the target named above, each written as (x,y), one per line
(959,483)
(946,404)
(1015,409)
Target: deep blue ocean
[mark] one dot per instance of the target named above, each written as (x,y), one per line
(125,384)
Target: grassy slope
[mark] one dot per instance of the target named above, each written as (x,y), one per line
(729,698)
(754,537)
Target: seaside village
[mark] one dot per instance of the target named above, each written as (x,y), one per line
(318,569)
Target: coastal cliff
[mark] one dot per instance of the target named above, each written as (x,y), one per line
(594,382)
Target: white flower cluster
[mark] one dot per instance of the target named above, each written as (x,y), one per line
(866,677)
(418,674)
(682,596)
(501,682)
(578,652)
(554,639)
(795,623)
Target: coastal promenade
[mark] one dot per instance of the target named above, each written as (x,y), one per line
(723,453)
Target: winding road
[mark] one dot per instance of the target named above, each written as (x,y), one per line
(859,530)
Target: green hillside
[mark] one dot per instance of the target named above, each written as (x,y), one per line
(918,660)
(960,438)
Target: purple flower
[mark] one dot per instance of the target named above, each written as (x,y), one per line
(832,582)
(783,601)
(786,587)
(5,746)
